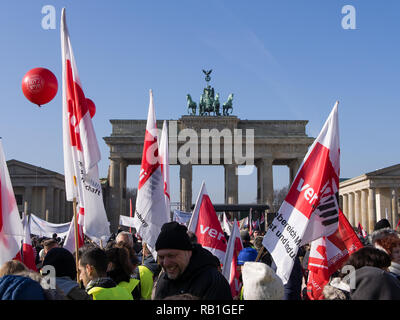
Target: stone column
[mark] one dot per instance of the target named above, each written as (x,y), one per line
(63,211)
(50,203)
(351,208)
(371,209)
(114,205)
(185,174)
(357,208)
(56,214)
(395,213)
(345,208)
(293,168)
(265,184)
(231,184)
(364,208)
(122,186)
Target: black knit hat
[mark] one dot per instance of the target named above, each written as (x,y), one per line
(63,261)
(381,224)
(173,236)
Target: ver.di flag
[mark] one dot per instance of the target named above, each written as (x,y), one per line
(328,254)
(206,226)
(311,208)
(81,150)
(11,229)
(151,211)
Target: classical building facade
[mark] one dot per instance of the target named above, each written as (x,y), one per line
(372,196)
(209,140)
(42,190)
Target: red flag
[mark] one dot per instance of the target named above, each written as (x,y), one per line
(328,254)
(229,267)
(28,255)
(205,224)
(11,229)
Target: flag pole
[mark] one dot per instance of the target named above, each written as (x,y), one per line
(76,240)
(143,248)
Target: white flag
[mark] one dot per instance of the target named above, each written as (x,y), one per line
(81,150)
(151,212)
(164,158)
(311,208)
(11,228)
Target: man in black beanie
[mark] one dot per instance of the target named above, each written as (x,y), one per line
(188,268)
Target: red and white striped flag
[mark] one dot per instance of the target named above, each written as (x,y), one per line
(229,266)
(28,254)
(311,208)
(11,229)
(81,150)
(151,211)
(164,158)
(205,224)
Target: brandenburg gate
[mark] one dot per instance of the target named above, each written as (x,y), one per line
(209,138)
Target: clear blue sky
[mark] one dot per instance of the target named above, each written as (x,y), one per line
(283,60)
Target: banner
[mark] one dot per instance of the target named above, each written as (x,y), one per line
(311,208)
(182,217)
(42,228)
(126,221)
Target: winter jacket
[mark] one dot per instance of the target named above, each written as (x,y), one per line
(71,289)
(395,269)
(13,287)
(201,278)
(375,284)
(106,289)
(293,286)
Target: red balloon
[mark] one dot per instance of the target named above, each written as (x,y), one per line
(91,106)
(39,86)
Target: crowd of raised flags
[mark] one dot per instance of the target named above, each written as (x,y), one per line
(310,213)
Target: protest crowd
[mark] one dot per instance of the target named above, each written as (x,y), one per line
(125,270)
(309,251)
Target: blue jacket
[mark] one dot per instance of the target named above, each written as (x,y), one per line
(14,287)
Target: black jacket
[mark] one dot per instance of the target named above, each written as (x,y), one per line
(201,279)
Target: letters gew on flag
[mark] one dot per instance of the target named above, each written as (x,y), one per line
(11,229)
(151,212)
(205,224)
(81,150)
(328,254)
(311,208)
(229,265)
